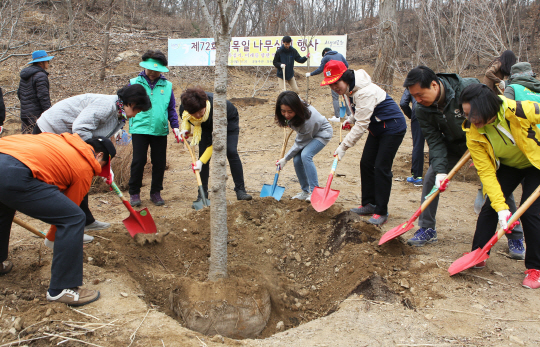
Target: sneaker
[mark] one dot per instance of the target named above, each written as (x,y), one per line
(308,199)
(480,265)
(97,225)
(532,279)
(75,296)
(156,199)
(6,267)
(423,236)
(303,195)
(87,238)
(417,181)
(516,249)
(378,220)
(242,195)
(135,200)
(364,210)
(334,119)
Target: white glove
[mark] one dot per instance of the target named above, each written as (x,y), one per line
(1,129)
(439,178)
(282,66)
(118,135)
(504,215)
(109,180)
(308,74)
(281,163)
(502,85)
(48,243)
(197,166)
(340,152)
(177,133)
(184,133)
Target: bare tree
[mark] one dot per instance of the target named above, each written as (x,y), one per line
(71,18)
(384,70)
(106,39)
(218,213)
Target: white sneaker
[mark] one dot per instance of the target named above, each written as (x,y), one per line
(302,195)
(308,199)
(334,119)
(87,238)
(97,225)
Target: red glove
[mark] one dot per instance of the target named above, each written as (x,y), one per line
(308,55)
(346,126)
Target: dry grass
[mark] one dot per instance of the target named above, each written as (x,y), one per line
(121,166)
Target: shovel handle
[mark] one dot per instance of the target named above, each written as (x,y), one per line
(29,227)
(285,140)
(197,173)
(334,166)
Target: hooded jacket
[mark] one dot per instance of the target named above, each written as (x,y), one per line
(33,92)
(287,57)
(372,105)
(89,115)
(529,82)
(442,129)
(330,55)
(522,118)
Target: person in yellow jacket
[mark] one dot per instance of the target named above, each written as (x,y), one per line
(504,142)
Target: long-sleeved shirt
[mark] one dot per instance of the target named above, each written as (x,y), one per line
(331,55)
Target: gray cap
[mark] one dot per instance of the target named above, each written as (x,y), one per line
(521,70)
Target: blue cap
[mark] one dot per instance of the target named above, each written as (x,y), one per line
(40,55)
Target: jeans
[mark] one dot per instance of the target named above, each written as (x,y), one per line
(376,169)
(336,103)
(417,166)
(509,178)
(158,157)
(291,83)
(235,164)
(20,191)
(304,167)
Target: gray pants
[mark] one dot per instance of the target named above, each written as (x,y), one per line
(292,84)
(335,102)
(428,218)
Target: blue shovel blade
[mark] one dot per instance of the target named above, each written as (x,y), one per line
(342,111)
(269,190)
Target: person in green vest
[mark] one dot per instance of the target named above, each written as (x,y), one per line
(522,84)
(150,128)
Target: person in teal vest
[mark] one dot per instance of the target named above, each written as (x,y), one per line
(150,128)
(522,84)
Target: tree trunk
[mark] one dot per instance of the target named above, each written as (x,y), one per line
(384,71)
(70,21)
(218,167)
(106,42)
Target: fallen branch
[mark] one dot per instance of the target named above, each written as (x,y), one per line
(72,339)
(132,336)
(481,315)
(85,314)
(19,341)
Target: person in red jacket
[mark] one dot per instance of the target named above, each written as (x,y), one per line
(46,177)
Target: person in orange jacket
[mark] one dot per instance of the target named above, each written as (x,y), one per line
(46,177)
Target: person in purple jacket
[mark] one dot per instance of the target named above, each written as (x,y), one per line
(150,128)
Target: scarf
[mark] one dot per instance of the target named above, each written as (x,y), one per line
(120,108)
(188,121)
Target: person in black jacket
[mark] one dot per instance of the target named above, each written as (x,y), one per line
(33,90)
(285,57)
(197,110)
(417,167)
(2,111)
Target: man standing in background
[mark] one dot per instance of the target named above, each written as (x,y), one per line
(284,59)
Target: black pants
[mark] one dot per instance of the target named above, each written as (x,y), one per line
(36,130)
(417,167)
(235,164)
(509,178)
(20,191)
(158,157)
(28,124)
(376,170)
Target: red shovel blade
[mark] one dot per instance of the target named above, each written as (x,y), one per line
(140,222)
(322,200)
(467,261)
(395,232)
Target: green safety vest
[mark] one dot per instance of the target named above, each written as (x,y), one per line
(155,120)
(522,93)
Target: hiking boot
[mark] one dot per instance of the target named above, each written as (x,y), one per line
(532,279)
(364,210)
(135,200)
(6,267)
(75,296)
(242,195)
(303,195)
(378,220)
(417,181)
(87,238)
(423,236)
(156,199)
(516,249)
(97,225)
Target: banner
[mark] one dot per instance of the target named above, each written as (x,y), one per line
(250,51)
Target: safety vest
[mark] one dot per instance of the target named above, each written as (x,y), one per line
(155,120)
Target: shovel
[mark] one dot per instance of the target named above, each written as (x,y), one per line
(29,227)
(274,190)
(138,221)
(198,205)
(403,228)
(323,198)
(342,108)
(481,254)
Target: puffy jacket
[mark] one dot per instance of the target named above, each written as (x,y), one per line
(33,92)
(442,130)
(331,55)
(2,109)
(522,117)
(287,57)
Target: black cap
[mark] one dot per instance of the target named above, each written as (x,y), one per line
(108,145)
(327,49)
(286,39)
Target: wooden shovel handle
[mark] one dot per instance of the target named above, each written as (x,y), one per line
(197,173)
(285,140)
(532,198)
(29,227)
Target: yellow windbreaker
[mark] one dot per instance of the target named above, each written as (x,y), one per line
(522,117)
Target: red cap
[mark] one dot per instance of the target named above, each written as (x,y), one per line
(333,71)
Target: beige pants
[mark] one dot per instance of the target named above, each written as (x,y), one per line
(291,83)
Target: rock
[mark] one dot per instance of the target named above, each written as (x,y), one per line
(428,316)
(280,326)
(218,339)
(49,312)
(308,264)
(313,287)
(516,340)
(12,297)
(303,292)
(18,324)
(12,331)
(95,282)
(269,251)
(126,54)
(90,259)
(405,283)
(125,295)
(297,257)
(478,306)
(326,254)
